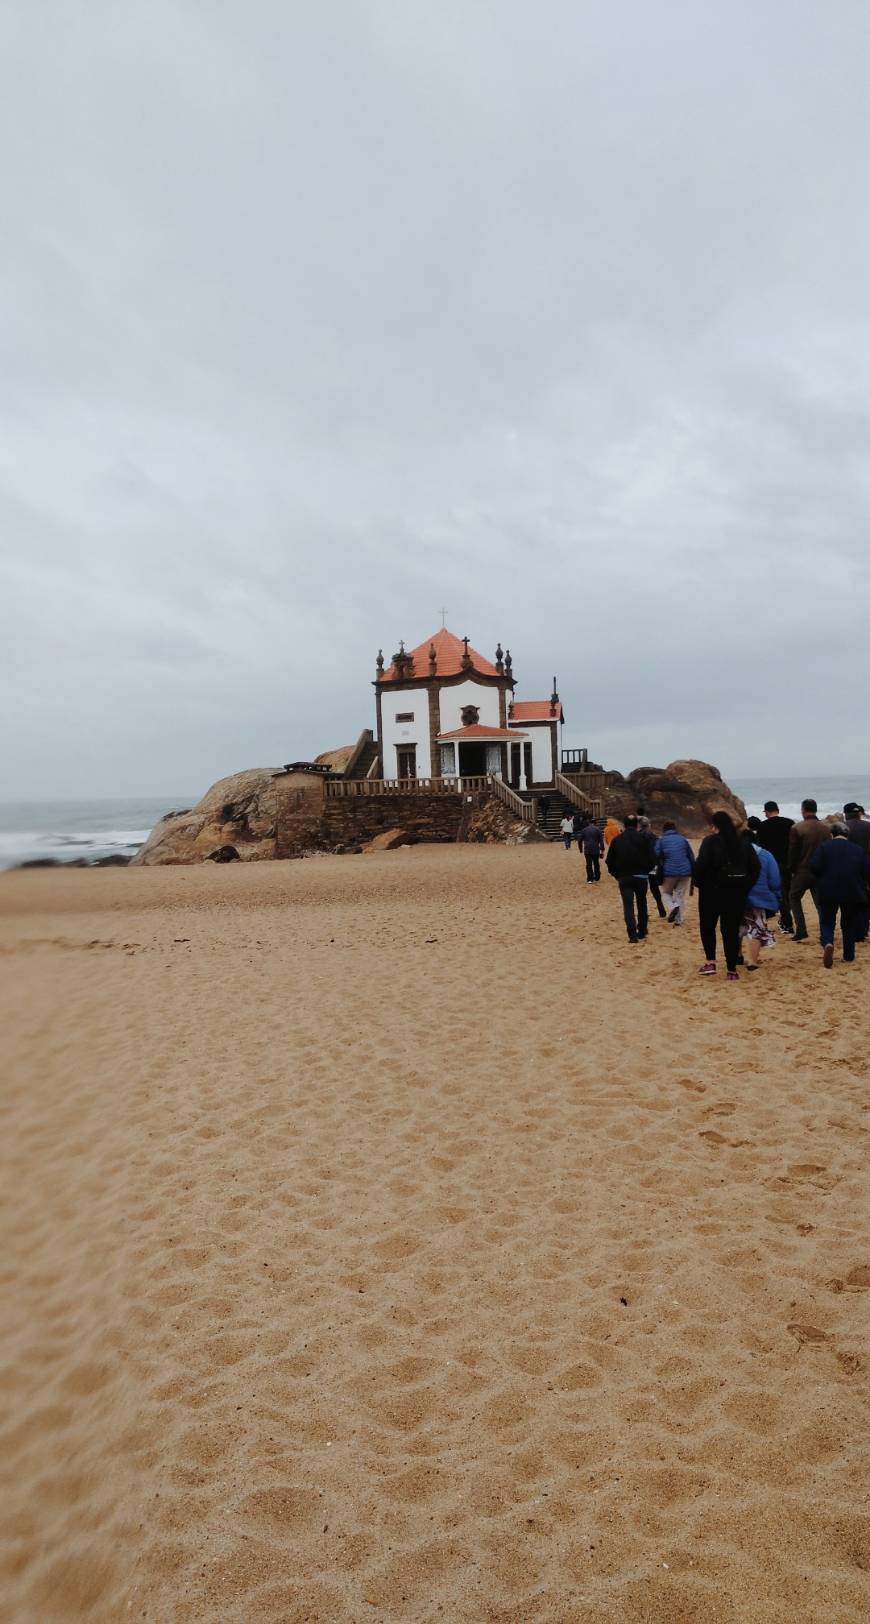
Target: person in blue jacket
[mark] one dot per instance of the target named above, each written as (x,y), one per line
(763,901)
(841,871)
(677,862)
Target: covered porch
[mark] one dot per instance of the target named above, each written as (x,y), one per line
(478,749)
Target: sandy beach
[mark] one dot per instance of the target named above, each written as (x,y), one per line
(384,1238)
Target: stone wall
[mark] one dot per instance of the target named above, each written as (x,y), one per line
(353,821)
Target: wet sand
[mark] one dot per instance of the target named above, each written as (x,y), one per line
(383,1238)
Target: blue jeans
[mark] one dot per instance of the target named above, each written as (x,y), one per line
(633,891)
(848,922)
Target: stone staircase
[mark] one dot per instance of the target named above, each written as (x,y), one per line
(561,803)
(363,761)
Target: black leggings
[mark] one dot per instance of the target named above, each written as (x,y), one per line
(725,909)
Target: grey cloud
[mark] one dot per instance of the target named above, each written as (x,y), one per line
(316,319)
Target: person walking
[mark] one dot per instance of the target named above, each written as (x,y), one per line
(645,828)
(859,833)
(803,841)
(544,809)
(840,871)
(629,859)
(578,825)
(763,901)
(677,862)
(611,830)
(566,830)
(773,835)
(592,844)
(726,868)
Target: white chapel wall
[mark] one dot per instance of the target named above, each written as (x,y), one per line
(542,754)
(468,693)
(399,703)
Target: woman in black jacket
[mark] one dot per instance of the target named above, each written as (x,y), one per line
(726,869)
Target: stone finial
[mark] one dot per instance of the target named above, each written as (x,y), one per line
(433,660)
(466,661)
(379,662)
(508,663)
(554,699)
(499,659)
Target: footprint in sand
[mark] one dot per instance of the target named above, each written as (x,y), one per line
(858,1279)
(807,1334)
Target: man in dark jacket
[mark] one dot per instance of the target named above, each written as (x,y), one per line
(773,835)
(859,833)
(592,842)
(841,871)
(629,858)
(803,840)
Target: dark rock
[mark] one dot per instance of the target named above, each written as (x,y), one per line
(224,854)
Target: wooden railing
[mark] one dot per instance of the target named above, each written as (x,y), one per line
(340,789)
(524,810)
(587,803)
(591,783)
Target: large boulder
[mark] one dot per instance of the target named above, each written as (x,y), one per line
(685,791)
(335,760)
(239,811)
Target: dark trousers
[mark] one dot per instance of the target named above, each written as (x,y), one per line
(785,919)
(633,891)
(725,910)
(593,865)
(567,839)
(655,892)
(800,885)
(850,920)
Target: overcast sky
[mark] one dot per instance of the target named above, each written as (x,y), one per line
(319,317)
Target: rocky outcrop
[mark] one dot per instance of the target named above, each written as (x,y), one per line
(239,811)
(335,760)
(686,792)
(495,824)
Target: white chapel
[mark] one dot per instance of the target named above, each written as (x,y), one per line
(445,711)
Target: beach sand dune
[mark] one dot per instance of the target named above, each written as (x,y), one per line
(385,1239)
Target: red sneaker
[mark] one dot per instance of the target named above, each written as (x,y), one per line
(708,969)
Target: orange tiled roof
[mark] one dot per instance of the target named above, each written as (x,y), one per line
(448,654)
(478,731)
(535,710)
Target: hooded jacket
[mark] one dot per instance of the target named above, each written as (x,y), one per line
(716,870)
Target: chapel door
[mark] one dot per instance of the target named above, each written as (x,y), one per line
(406,758)
(515,765)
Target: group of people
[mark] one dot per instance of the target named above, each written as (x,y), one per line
(745,875)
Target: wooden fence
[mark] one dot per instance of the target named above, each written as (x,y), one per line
(341,789)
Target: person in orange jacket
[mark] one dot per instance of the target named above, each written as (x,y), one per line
(611,830)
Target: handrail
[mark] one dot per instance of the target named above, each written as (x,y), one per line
(339,789)
(524,810)
(586,803)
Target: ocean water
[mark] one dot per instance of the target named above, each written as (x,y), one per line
(66,830)
(831,791)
